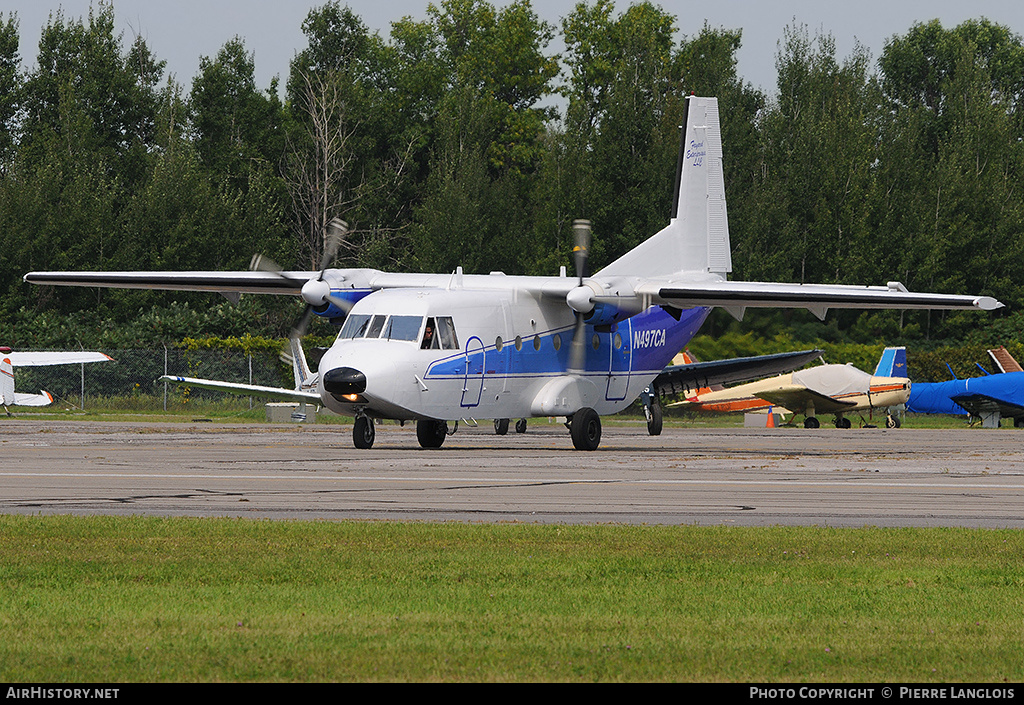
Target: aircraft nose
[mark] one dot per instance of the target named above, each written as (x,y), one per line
(345,380)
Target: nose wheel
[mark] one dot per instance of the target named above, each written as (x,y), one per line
(363,432)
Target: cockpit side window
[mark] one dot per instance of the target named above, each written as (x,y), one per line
(431,340)
(445,333)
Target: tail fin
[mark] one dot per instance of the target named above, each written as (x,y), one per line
(697,236)
(893,363)
(1004,360)
(6,382)
(300,368)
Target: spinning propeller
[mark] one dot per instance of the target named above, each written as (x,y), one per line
(315,292)
(581,298)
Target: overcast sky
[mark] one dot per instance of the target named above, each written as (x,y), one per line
(181,31)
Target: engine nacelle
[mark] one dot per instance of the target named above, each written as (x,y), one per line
(330,309)
(605,314)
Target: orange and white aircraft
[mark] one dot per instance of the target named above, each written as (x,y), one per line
(10,360)
(828,389)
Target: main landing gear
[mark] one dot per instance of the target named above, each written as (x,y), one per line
(431,432)
(585,429)
(501,426)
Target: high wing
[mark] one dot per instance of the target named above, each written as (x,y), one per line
(677,379)
(38,359)
(254,390)
(797,398)
(817,298)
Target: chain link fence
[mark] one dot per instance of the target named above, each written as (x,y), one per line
(131,378)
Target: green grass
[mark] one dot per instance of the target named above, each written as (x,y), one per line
(108,599)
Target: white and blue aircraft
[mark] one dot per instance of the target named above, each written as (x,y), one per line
(439,348)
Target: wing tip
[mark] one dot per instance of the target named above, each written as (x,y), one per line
(987,303)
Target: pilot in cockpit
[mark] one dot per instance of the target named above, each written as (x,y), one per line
(428,336)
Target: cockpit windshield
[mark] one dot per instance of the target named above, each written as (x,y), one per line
(381,326)
(439,332)
(403,328)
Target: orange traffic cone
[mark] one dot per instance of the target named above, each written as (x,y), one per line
(771,419)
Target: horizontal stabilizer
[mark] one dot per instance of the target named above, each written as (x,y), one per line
(250,390)
(27,358)
(42,399)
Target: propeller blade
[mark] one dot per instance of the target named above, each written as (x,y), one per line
(580,252)
(578,347)
(581,246)
(337,229)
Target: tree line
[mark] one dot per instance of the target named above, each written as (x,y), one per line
(462,139)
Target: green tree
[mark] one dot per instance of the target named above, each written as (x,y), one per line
(488,138)
(235,125)
(10,90)
(818,142)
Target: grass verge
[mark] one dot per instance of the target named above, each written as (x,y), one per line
(109,599)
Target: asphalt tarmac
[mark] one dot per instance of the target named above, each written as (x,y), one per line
(968,477)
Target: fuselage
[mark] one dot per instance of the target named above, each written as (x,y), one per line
(492,353)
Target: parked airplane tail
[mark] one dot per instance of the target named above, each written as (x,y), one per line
(6,382)
(697,236)
(1004,360)
(893,363)
(300,368)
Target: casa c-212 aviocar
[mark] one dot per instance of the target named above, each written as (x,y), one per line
(438,348)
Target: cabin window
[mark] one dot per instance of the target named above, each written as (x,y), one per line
(446,332)
(403,328)
(556,340)
(519,342)
(536,342)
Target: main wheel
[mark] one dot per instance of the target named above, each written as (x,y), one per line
(811,422)
(656,421)
(585,429)
(363,432)
(521,426)
(501,426)
(892,421)
(431,432)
